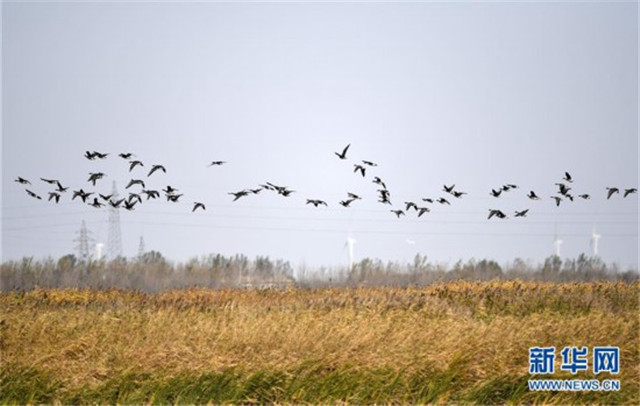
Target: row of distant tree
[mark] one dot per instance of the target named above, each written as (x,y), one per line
(152,272)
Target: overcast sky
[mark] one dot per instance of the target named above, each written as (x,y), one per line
(471,94)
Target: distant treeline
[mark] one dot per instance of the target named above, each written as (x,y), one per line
(152,272)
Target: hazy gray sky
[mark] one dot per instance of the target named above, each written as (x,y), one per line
(476,94)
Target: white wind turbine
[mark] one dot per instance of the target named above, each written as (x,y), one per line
(349,245)
(594,241)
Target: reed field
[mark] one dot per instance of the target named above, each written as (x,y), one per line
(446,343)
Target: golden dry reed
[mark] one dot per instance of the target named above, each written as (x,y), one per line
(459,342)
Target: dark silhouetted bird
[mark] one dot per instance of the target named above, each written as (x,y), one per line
(60,188)
(563,189)
(627,192)
(448,189)
(510,186)
(347,202)
(522,213)
(197,205)
(30,193)
(398,213)
(133,164)
(217,163)
(105,197)
(94,177)
(134,197)
(442,200)
(81,194)
(256,190)
(585,196)
(458,194)
(316,202)
(116,204)
(54,195)
(173,198)
(135,182)
(100,155)
(238,195)
(569,196)
(156,168)
(125,155)
(369,163)
(151,194)
(567,177)
(532,195)
(497,213)
(360,168)
(96,203)
(90,155)
(379,181)
(354,196)
(611,191)
(496,193)
(169,190)
(49,181)
(129,205)
(22,181)
(410,205)
(557,199)
(427,199)
(423,210)
(343,155)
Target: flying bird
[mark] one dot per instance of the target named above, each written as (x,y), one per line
(100,155)
(379,181)
(448,189)
(81,194)
(256,190)
(173,198)
(96,203)
(522,213)
(90,155)
(497,213)
(134,197)
(627,192)
(360,168)
(238,195)
(30,193)
(427,199)
(532,195)
(54,195)
(398,213)
(105,197)
(423,210)
(495,193)
(135,182)
(442,200)
(49,181)
(94,177)
(60,188)
(125,155)
(369,163)
(347,202)
(458,194)
(343,155)
(354,196)
(316,202)
(611,191)
(129,205)
(563,189)
(568,177)
(156,168)
(133,164)
(585,196)
(410,205)
(169,190)
(197,205)
(116,204)
(151,194)
(217,163)
(22,181)
(557,199)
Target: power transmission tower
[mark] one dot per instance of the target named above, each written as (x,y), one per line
(84,241)
(114,241)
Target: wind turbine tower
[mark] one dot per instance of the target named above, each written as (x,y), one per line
(557,243)
(594,241)
(349,243)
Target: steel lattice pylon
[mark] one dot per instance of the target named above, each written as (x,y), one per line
(114,243)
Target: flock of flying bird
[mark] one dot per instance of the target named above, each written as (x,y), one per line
(384,196)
